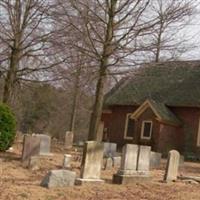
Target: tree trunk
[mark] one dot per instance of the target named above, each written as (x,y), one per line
(99,96)
(10,77)
(75,101)
(15,54)
(97,108)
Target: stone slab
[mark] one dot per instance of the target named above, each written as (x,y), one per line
(117,161)
(92,160)
(45,144)
(129,157)
(108,163)
(110,149)
(171,171)
(80,181)
(155,160)
(34,163)
(144,158)
(31,147)
(126,179)
(69,137)
(59,178)
(67,161)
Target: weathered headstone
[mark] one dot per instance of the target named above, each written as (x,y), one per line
(155,160)
(171,171)
(91,163)
(31,147)
(108,164)
(45,144)
(110,149)
(143,164)
(69,137)
(34,163)
(133,168)
(67,161)
(129,159)
(117,161)
(59,178)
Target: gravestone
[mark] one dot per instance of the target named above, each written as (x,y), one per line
(171,171)
(117,161)
(108,163)
(155,160)
(34,163)
(69,137)
(59,178)
(144,155)
(134,165)
(91,163)
(31,147)
(45,144)
(67,161)
(110,149)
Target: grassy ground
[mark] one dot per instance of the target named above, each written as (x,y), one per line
(19,183)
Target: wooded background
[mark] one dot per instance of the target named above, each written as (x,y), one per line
(58,58)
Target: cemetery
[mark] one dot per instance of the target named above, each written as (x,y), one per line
(95,170)
(99,100)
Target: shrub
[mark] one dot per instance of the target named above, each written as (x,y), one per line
(7,127)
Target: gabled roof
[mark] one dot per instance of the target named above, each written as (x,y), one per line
(175,83)
(162,112)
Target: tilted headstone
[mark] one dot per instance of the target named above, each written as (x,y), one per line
(91,162)
(69,137)
(110,149)
(171,171)
(155,159)
(67,161)
(31,147)
(45,144)
(143,164)
(59,178)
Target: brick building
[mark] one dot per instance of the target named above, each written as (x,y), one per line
(159,106)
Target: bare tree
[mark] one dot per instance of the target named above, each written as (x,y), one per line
(108,32)
(168,39)
(24,32)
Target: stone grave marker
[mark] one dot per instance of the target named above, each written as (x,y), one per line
(69,137)
(144,155)
(171,171)
(91,163)
(108,163)
(34,163)
(59,178)
(45,144)
(110,149)
(134,164)
(67,161)
(117,161)
(155,160)
(31,147)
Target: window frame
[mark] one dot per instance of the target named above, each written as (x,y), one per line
(126,127)
(142,130)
